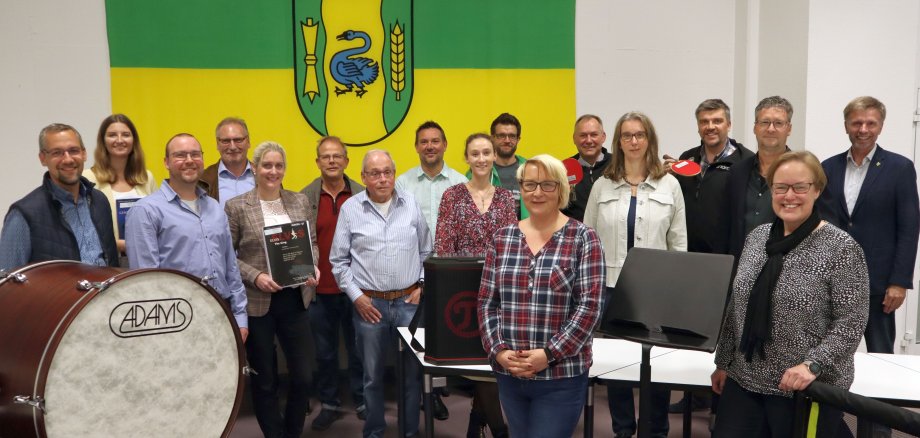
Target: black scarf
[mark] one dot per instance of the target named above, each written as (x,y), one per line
(757,321)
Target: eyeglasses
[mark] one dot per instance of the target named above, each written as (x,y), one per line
(229,141)
(800,188)
(546,186)
(186,155)
(765,124)
(377,174)
(333,157)
(639,136)
(59,153)
(505,136)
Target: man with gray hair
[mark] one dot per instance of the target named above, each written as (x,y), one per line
(872,194)
(750,201)
(589,138)
(332,309)
(232,175)
(63,219)
(380,242)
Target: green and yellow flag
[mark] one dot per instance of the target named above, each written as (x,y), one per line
(369,71)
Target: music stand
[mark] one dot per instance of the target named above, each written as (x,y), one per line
(667,299)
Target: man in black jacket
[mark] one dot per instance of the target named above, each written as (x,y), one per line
(704,194)
(589,138)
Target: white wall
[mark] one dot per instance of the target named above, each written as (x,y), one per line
(659,57)
(55,69)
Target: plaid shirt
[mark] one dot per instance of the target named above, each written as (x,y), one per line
(550,300)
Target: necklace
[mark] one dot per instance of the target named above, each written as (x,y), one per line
(484,196)
(631,183)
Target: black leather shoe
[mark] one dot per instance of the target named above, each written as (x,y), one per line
(440,410)
(699,403)
(325,419)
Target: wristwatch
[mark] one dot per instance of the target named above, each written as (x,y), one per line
(550,359)
(813,366)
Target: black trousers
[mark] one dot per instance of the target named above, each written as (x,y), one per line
(289,321)
(880,327)
(746,414)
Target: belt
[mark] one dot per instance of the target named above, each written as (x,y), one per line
(390,294)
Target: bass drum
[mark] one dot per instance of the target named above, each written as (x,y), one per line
(100,352)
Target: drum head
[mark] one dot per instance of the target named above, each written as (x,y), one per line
(154,354)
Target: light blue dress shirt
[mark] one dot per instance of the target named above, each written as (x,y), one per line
(379,253)
(854,177)
(429,191)
(230,186)
(15,243)
(162,232)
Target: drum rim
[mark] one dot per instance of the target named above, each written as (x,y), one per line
(53,342)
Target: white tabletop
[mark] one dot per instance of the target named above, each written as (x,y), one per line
(905,360)
(609,355)
(881,376)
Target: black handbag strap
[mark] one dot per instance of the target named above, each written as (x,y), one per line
(413,325)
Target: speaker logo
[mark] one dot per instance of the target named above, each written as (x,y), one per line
(460,314)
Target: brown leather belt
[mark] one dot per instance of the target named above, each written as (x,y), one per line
(390,294)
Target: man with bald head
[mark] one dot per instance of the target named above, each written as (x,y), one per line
(380,242)
(181,227)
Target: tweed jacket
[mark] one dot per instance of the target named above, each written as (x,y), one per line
(244,214)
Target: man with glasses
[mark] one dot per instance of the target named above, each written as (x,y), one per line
(63,219)
(749,199)
(332,309)
(506,133)
(872,194)
(232,175)
(181,227)
(380,242)
(428,181)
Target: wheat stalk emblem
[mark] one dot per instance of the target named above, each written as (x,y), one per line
(397,59)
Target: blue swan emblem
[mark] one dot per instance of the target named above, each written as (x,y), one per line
(351,70)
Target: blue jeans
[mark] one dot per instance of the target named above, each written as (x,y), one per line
(328,314)
(623,410)
(286,319)
(374,341)
(542,408)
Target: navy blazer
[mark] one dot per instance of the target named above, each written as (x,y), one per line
(885,219)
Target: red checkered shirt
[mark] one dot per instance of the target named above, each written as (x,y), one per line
(551,299)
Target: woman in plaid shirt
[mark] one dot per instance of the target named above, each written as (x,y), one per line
(539,302)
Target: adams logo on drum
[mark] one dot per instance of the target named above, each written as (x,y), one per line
(152,317)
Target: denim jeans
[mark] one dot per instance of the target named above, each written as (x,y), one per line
(374,341)
(328,314)
(622,406)
(542,408)
(287,319)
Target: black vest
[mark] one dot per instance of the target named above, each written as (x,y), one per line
(51,236)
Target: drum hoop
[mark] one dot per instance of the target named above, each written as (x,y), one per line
(78,305)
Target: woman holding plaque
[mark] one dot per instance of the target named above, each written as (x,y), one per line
(119,171)
(274,309)
(469,216)
(539,302)
(636,204)
(799,305)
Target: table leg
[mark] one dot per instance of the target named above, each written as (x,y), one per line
(688,412)
(589,410)
(400,388)
(429,406)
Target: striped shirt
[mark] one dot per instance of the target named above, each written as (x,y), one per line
(370,251)
(548,300)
